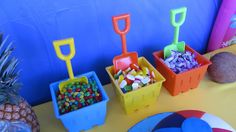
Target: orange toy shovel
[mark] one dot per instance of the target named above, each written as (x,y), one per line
(124,60)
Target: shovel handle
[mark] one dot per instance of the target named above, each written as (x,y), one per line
(123,32)
(57,44)
(182,11)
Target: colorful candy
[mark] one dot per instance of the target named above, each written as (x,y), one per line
(123,83)
(78,95)
(133,78)
(179,62)
(135,85)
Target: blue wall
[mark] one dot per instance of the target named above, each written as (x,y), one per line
(33,25)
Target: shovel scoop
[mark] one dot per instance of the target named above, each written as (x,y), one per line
(57,44)
(124,60)
(176,46)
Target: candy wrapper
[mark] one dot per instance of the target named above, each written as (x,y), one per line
(134,77)
(180,62)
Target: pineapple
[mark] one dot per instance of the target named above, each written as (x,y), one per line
(12,106)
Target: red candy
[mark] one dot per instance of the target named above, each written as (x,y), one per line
(90,90)
(129,82)
(77,98)
(98,98)
(70,98)
(69,90)
(79,105)
(134,66)
(77,90)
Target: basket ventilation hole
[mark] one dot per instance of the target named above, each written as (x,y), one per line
(199,76)
(181,84)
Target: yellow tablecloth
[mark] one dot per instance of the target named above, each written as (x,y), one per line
(217,99)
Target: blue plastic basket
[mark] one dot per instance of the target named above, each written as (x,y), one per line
(86,117)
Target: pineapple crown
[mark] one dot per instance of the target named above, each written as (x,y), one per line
(9,86)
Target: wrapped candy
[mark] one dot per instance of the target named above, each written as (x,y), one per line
(180,62)
(134,77)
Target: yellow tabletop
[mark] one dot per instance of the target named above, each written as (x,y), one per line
(211,97)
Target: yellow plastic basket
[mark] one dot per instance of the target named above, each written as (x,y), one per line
(141,98)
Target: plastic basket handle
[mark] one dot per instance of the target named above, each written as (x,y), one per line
(182,11)
(57,44)
(123,32)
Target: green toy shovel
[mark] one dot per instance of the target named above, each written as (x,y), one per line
(177,46)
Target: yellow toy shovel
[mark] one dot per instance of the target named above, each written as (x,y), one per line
(57,44)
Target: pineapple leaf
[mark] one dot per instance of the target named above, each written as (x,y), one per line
(9,68)
(1,37)
(4,59)
(7,50)
(4,54)
(3,98)
(13,99)
(9,86)
(3,43)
